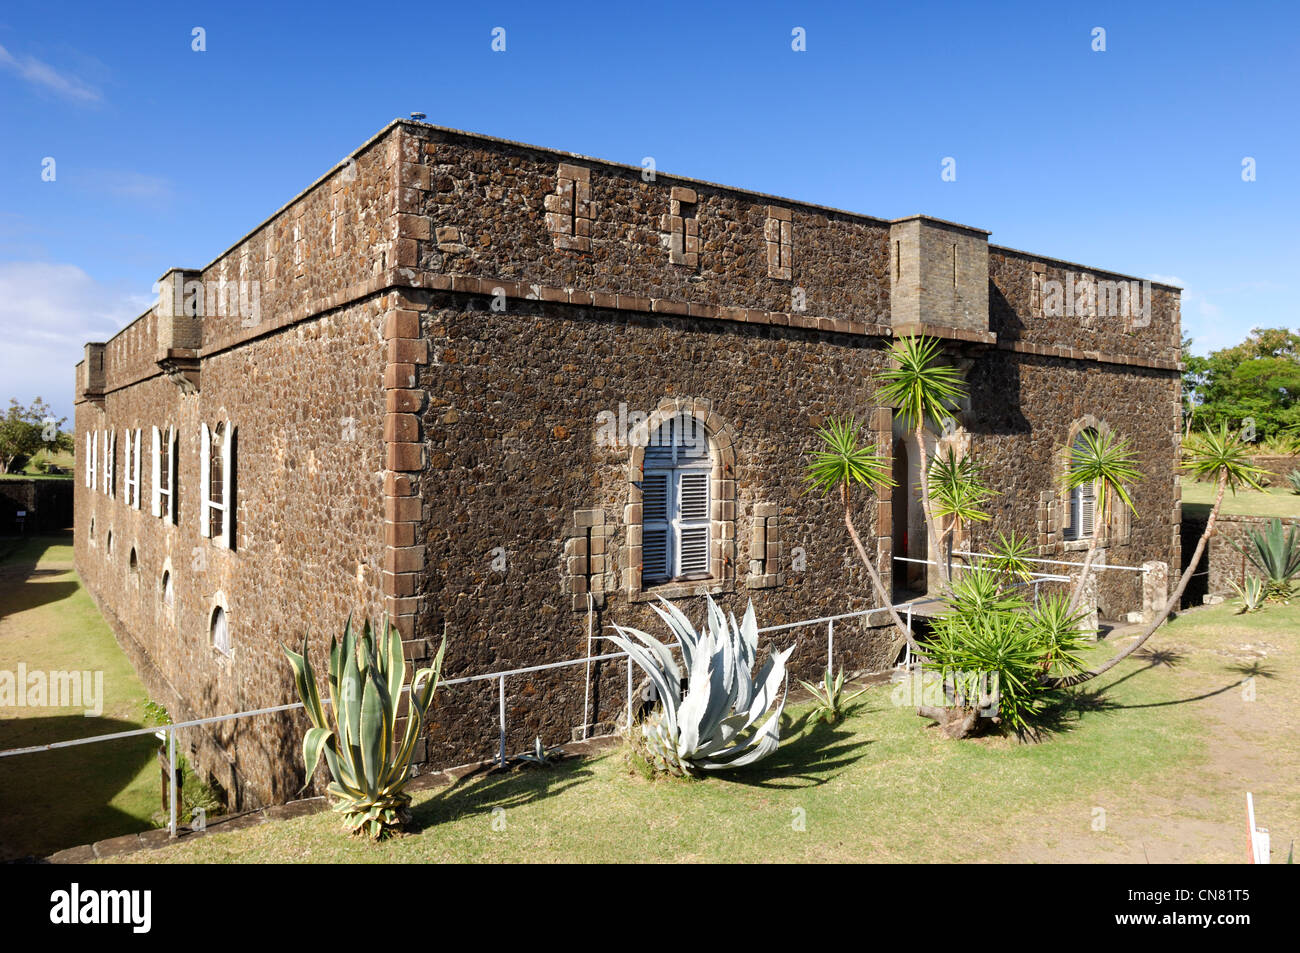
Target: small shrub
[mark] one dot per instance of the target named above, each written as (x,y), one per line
(1275,555)
(1294,479)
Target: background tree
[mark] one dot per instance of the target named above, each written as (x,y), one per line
(26,430)
(1258,379)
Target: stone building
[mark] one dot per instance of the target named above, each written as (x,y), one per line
(485,387)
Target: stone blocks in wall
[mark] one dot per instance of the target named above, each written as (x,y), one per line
(778,232)
(1155,589)
(569,210)
(587,569)
(680,229)
(765,547)
(939,276)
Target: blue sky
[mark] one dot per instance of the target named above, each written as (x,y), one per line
(1128,159)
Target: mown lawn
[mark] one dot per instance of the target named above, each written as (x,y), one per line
(1272,501)
(1151,764)
(55,799)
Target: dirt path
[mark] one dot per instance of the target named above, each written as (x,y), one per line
(1244,696)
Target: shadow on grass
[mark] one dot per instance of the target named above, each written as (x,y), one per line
(488,788)
(809,755)
(50,800)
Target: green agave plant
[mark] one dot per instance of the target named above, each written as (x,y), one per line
(715,724)
(1276,555)
(1294,479)
(367,678)
(830,697)
(1253,594)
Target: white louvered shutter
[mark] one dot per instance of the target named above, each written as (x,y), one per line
(205,477)
(1087,510)
(155,488)
(693,522)
(654,526)
(227,464)
(135,468)
(88,456)
(126,469)
(170,511)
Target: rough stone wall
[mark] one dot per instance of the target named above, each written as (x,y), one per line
(308,543)
(47,503)
(487,208)
(1278,467)
(1023,410)
(1225,563)
(515,448)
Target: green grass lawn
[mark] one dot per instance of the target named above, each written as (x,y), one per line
(1273,501)
(56,799)
(1159,752)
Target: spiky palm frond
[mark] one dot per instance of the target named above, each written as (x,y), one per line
(1221,455)
(956,489)
(1106,461)
(843,462)
(918,386)
(1012,555)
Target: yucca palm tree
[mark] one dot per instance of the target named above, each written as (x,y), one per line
(1012,557)
(919,387)
(841,464)
(1107,463)
(1221,456)
(957,493)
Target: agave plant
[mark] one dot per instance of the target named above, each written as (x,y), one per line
(1253,594)
(715,724)
(369,762)
(1276,556)
(1294,479)
(830,697)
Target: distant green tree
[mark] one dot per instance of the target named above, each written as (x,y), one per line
(1258,380)
(26,430)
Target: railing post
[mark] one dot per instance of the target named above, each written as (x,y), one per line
(830,645)
(629,694)
(501,702)
(586,685)
(171,784)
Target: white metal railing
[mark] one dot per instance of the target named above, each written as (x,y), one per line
(499,677)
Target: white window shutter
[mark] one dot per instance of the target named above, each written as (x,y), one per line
(654,526)
(171,474)
(135,460)
(654,553)
(693,522)
(205,477)
(155,495)
(228,517)
(112,463)
(1087,511)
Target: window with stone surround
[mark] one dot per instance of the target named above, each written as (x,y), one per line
(1081,509)
(219,627)
(681,512)
(131,468)
(1077,522)
(163,498)
(216,471)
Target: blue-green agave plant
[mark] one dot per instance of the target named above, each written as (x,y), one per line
(714,724)
(369,763)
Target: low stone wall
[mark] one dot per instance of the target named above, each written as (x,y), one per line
(47,503)
(1278,467)
(1226,564)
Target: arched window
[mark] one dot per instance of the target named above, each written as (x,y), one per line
(220,631)
(108,544)
(133,562)
(676,526)
(168,593)
(1081,510)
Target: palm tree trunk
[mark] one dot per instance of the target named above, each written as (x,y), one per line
(923,461)
(1168,608)
(876,581)
(1091,554)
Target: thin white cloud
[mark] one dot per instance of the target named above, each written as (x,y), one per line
(46,77)
(47,314)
